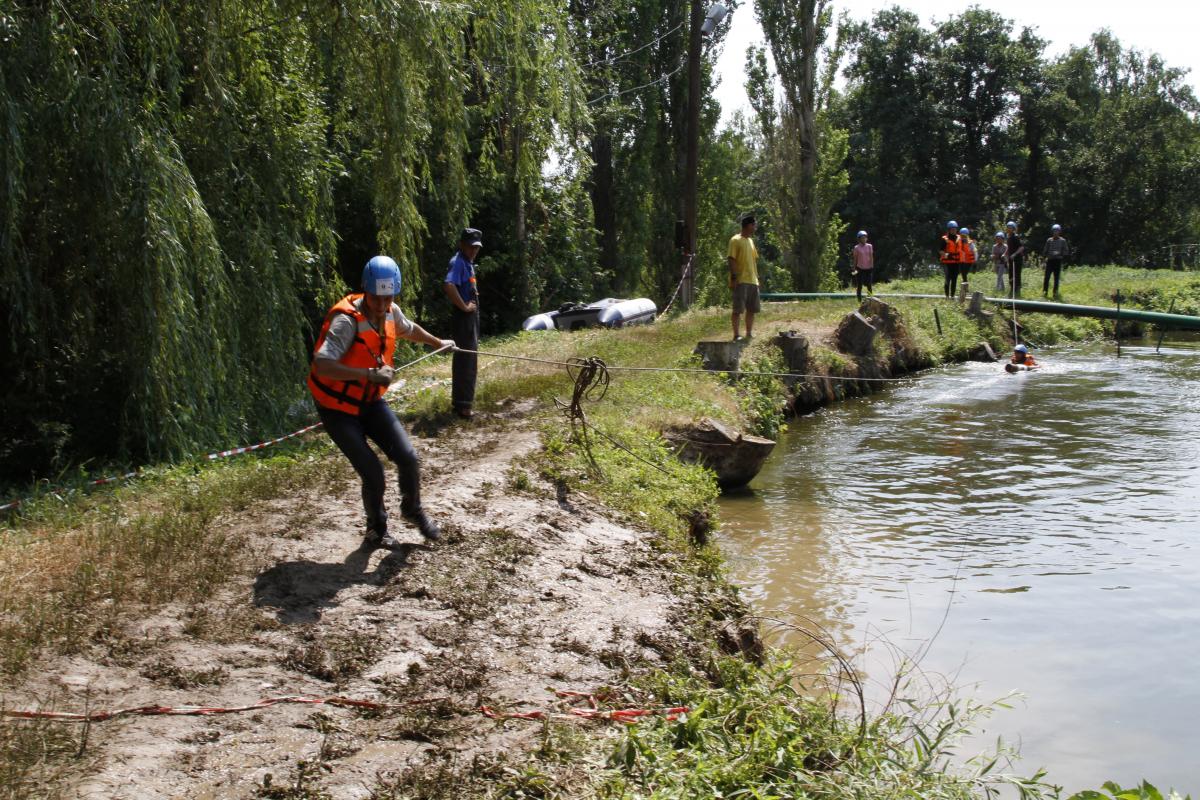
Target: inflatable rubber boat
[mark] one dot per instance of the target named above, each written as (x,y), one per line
(608,313)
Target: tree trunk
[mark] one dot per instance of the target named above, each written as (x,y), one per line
(604,211)
(808,237)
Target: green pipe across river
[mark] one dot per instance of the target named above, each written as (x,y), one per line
(1182,322)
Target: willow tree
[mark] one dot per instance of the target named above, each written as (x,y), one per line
(524,102)
(163,222)
(168,228)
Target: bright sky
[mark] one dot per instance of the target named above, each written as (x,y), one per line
(1165,27)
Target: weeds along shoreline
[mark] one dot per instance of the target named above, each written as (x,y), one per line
(73,573)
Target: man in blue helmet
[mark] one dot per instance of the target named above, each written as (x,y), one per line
(351,369)
(463,292)
(862,259)
(950,254)
(1016,257)
(1056,251)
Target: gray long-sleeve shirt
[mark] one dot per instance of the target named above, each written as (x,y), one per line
(1056,248)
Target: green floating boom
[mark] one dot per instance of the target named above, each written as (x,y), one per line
(1181,322)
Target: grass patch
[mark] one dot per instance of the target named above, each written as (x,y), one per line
(33,755)
(72,572)
(334,658)
(1144,289)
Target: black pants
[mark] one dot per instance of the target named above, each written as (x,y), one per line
(953,271)
(378,423)
(1014,273)
(465,329)
(864,277)
(1053,267)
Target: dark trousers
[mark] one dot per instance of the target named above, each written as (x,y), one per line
(953,271)
(465,329)
(379,424)
(1053,267)
(1014,273)
(864,277)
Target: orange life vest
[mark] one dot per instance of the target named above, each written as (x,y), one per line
(967,252)
(952,254)
(369,349)
(1027,360)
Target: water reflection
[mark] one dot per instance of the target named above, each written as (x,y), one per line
(1051,514)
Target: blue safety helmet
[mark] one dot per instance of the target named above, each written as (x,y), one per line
(862,233)
(965,231)
(1056,227)
(951,224)
(1021,349)
(999,234)
(381,277)
(1011,225)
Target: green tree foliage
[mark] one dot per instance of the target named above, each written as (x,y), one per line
(187,185)
(931,118)
(968,120)
(634,63)
(793,131)
(161,226)
(1121,145)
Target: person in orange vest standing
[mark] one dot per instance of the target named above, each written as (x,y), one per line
(351,369)
(969,254)
(951,257)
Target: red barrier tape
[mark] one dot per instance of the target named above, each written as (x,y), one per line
(203,711)
(630,716)
(237,451)
(627,715)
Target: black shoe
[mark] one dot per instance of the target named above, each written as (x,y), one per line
(464,413)
(425,525)
(381,538)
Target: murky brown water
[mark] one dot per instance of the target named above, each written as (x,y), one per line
(1046,523)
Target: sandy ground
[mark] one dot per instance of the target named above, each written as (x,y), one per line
(528,590)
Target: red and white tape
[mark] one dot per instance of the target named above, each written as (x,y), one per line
(237,451)
(628,716)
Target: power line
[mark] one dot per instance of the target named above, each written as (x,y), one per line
(654,82)
(616,58)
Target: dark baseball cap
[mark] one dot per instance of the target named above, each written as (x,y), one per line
(471,236)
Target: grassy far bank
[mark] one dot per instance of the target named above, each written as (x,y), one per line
(1147,289)
(71,572)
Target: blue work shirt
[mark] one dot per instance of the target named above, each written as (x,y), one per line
(462,275)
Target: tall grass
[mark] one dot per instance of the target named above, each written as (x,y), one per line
(765,732)
(71,573)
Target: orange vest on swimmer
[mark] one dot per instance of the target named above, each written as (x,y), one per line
(1027,360)
(368,350)
(952,254)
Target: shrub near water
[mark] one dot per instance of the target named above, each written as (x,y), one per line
(756,732)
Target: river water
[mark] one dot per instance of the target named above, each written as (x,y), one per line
(1035,532)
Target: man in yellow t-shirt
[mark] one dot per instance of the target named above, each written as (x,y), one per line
(743,276)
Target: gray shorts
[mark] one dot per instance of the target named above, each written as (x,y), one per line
(745,298)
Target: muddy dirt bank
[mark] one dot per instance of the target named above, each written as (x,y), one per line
(530,590)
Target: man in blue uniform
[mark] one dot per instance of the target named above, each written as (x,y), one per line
(463,293)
